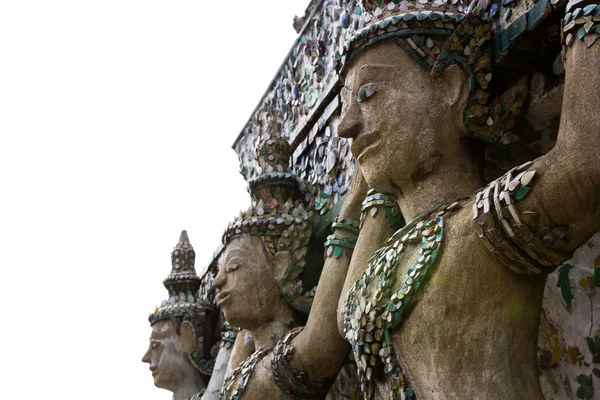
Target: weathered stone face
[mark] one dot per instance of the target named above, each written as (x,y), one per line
(401,119)
(249,294)
(167,358)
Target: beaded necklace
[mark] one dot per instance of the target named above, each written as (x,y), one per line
(372,310)
(235,385)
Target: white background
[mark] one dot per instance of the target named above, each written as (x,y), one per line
(116,125)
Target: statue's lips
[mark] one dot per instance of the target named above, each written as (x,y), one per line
(153,370)
(364,143)
(223,296)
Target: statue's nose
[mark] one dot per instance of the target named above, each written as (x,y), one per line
(351,122)
(146,358)
(219,279)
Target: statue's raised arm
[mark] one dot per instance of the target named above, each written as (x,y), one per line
(566,186)
(451,303)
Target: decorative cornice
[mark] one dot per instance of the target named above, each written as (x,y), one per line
(302,84)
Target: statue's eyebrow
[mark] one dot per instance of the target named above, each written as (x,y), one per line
(238,253)
(235,259)
(369,69)
(385,66)
(244,249)
(158,336)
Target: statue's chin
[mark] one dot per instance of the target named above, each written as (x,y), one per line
(233,318)
(157,382)
(242,319)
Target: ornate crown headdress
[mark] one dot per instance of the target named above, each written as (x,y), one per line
(184,305)
(415,24)
(278,216)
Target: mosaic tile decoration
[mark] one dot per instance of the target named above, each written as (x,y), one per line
(303,98)
(302,84)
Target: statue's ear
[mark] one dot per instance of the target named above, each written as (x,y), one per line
(457,90)
(282,261)
(186,334)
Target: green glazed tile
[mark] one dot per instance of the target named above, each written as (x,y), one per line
(503,40)
(517,27)
(521,193)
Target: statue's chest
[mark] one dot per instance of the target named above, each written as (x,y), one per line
(378,301)
(236,384)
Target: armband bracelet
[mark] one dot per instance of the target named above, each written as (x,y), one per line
(513,236)
(294,384)
(581,23)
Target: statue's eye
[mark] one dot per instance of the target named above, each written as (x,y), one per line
(154,345)
(232,267)
(364,94)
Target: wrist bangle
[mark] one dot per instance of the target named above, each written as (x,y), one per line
(376,200)
(335,246)
(295,384)
(228,336)
(347,223)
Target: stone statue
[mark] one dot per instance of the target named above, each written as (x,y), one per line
(449,306)
(262,287)
(176,355)
(227,334)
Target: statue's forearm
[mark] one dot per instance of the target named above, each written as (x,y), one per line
(373,235)
(567,191)
(580,119)
(218,375)
(320,350)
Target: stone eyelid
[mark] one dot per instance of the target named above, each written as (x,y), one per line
(364,94)
(231,267)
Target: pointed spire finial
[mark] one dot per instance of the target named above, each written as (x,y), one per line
(184,240)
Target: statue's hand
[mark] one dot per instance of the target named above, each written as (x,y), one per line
(357,193)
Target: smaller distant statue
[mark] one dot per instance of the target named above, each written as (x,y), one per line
(177,355)
(267,287)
